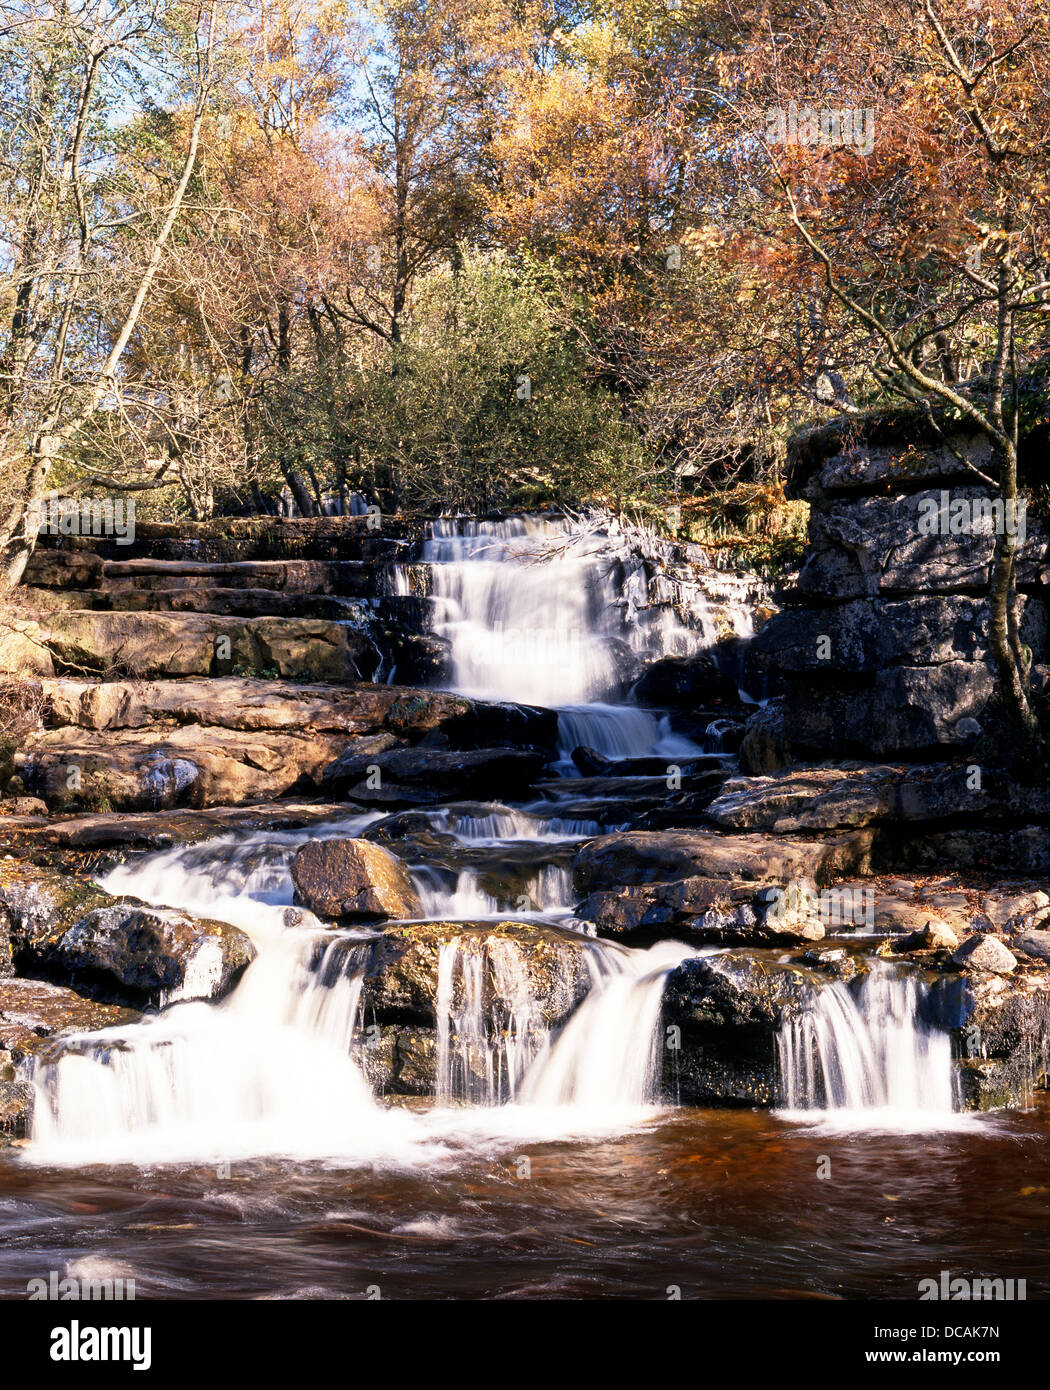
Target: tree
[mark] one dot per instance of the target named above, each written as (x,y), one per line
(81,252)
(932,244)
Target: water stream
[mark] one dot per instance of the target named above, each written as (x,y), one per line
(534,613)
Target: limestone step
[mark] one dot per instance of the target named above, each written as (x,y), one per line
(166,645)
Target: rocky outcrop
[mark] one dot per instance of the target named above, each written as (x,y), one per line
(145,956)
(1000,1027)
(155,745)
(399,993)
(425,776)
(64,928)
(33,1012)
(353,880)
(883,643)
(685,682)
(726,1012)
(646,857)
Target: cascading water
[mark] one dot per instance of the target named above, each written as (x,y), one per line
(266,1071)
(869,1058)
(541,612)
(607,1057)
(272,1069)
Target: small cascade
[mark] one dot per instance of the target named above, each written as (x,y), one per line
(489,1022)
(607,1058)
(618,731)
(868,1056)
(547,612)
(501,824)
(456,896)
(495,1046)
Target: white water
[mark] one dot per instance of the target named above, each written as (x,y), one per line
(540,613)
(271,1069)
(869,1060)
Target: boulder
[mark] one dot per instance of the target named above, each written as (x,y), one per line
(633,857)
(1000,1026)
(728,1010)
(401,969)
(985,952)
(934,936)
(708,910)
(355,880)
(425,776)
(1033,943)
(685,682)
(146,956)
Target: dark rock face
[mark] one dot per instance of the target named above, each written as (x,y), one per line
(685,682)
(1000,1030)
(883,647)
(728,1010)
(425,776)
(355,880)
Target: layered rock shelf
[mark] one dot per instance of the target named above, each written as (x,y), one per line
(284,681)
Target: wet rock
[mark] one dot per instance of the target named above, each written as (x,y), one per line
(113,835)
(593,764)
(424,776)
(16,1109)
(633,857)
(399,1061)
(985,952)
(1000,1026)
(145,956)
(728,1010)
(354,880)
(677,682)
(33,1012)
(398,826)
(401,969)
(764,747)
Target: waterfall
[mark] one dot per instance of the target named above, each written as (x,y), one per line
(489,1023)
(272,1068)
(543,613)
(268,1070)
(494,1044)
(608,1055)
(870,1057)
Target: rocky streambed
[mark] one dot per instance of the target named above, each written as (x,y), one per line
(256,903)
